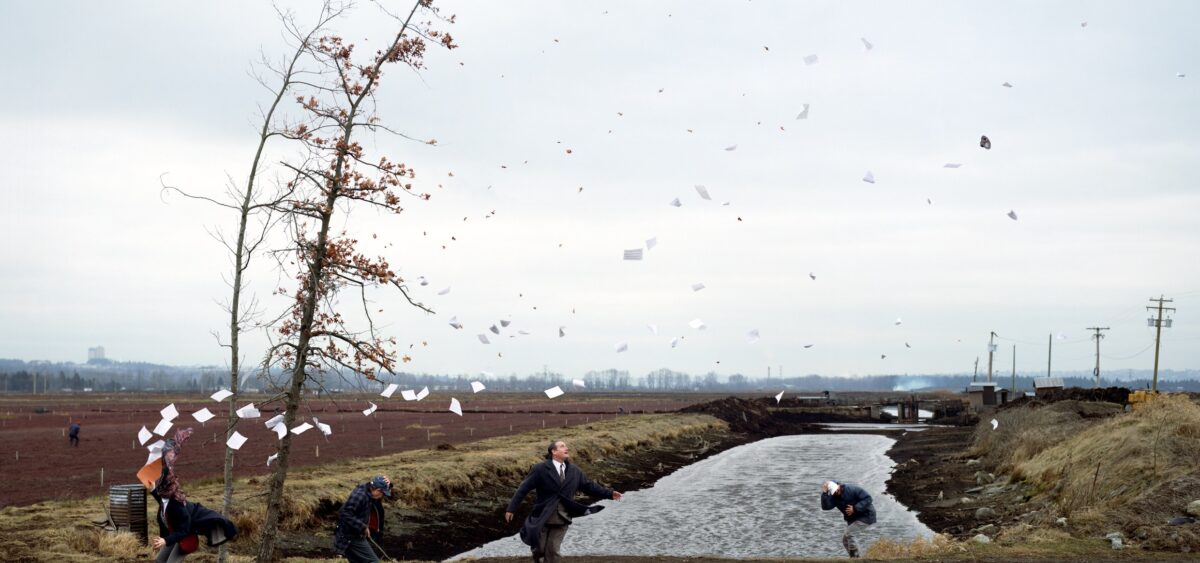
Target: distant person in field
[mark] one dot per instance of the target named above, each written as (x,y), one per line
(180,521)
(556,481)
(360,521)
(73,434)
(856,507)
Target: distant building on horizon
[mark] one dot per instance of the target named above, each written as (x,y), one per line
(96,353)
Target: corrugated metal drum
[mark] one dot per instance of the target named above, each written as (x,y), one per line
(127,505)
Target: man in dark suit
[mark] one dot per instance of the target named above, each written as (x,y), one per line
(556,481)
(856,506)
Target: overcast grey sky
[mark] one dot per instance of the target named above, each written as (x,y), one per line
(1094,147)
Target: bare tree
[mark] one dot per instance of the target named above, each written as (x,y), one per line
(334,174)
(246,200)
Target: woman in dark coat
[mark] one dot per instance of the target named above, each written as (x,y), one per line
(180,522)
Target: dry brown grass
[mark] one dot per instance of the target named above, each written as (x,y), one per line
(1025,432)
(59,530)
(1121,458)
(938,545)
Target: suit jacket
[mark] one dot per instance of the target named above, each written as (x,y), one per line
(851,495)
(353,517)
(543,478)
(184,519)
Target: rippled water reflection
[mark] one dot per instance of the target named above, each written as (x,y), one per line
(756,500)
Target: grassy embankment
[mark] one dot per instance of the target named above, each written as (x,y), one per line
(62,530)
(1102,469)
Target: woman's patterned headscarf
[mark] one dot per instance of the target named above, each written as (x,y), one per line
(168,484)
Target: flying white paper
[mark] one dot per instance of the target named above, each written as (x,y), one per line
(703,191)
(995,424)
(697,286)
(163,427)
(483,338)
(367,411)
(1012,215)
(562,331)
(653,328)
(952,165)
(271,458)
(779,398)
(731,148)
(477,386)
(391,388)
(221,395)
(203,415)
(1007,85)
(504,323)
(866,44)
(248,411)
(422,280)
(324,428)
(454,322)
(810,60)
(554,392)
(675,342)
(444,291)
(494,329)
(633,254)
(621,347)
(869,178)
(301,428)
(752,336)
(578,383)
(803,112)
(455,407)
(280,430)
(676,203)
(236,440)
(423,393)
(899,321)
(651,243)
(697,324)
(169,412)
(274,421)
(144,436)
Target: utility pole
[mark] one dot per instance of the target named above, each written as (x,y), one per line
(1098,337)
(975,377)
(1157,323)
(1049,352)
(991,350)
(1014,372)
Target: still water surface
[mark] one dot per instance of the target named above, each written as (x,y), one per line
(758,500)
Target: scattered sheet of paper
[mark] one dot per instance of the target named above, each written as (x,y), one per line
(169,412)
(236,440)
(812,59)
(387,392)
(633,254)
(248,411)
(423,393)
(553,392)
(144,435)
(302,428)
(203,415)
(455,407)
(221,395)
(370,409)
(477,386)
(869,178)
(703,191)
(621,347)
(163,427)
(779,398)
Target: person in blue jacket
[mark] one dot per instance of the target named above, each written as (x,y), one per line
(856,507)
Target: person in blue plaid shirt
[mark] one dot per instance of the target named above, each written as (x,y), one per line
(360,519)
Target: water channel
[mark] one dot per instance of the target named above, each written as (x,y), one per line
(757,500)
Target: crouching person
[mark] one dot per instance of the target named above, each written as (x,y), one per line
(360,521)
(856,507)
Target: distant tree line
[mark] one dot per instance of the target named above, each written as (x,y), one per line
(17,376)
